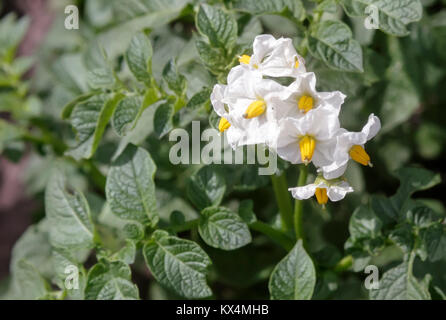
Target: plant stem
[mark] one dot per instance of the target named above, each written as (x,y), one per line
(344,264)
(186,226)
(280,186)
(274,234)
(298,206)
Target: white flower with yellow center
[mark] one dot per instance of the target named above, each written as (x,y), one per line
(304,97)
(274,57)
(308,139)
(247,106)
(350,145)
(233,133)
(334,190)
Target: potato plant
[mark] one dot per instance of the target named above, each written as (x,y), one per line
(116,120)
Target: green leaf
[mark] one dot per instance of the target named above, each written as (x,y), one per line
(68,108)
(100,78)
(400,284)
(400,100)
(332,42)
(200,99)
(213,58)
(416,179)
(245,211)
(68,213)
(63,261)
(34,246)
(8,133)
(163,118)
(294,277)
(206,188)
(402,235)
(89,120)
(178,264)
(364,223)
(110,281)
(286,8)
(130,189)
(27,283)
(126,114)
(217,25)
(393,15)
(127,253)
(11,33)
(327,6)
(137,15)
(223,229)
(175,81)
(433,242)
(139,57)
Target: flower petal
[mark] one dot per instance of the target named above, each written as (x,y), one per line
(372,127)
(337,192)
(304,192)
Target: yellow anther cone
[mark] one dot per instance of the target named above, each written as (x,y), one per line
(244,59)
(223,124)
(321,196)
(358,154)
(305,103)
(306,146)
(255,109)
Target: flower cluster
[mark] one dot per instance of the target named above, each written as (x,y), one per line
(296,121)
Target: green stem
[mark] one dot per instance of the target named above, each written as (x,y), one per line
(298,205)
(280,186)
(274,234)
(185,226)
(344,264)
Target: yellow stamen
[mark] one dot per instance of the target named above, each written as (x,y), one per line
(305,103)
(244,59)
(223,124)
(321,196)
(307,145)
(255,109)
(358,154)
(296,64)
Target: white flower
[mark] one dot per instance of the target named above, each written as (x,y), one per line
(308,139)
(304,98)
(334,190)
(233,133)
(274,57)
(247,105)
(351,145)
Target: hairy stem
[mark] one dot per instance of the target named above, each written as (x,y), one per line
(280,186)
(298,206)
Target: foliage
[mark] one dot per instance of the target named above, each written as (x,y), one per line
(95,117)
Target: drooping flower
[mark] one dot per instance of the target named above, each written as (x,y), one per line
(304,97)
(323,189)
(350,145)
(247,106)
(308,139)
(274,57)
